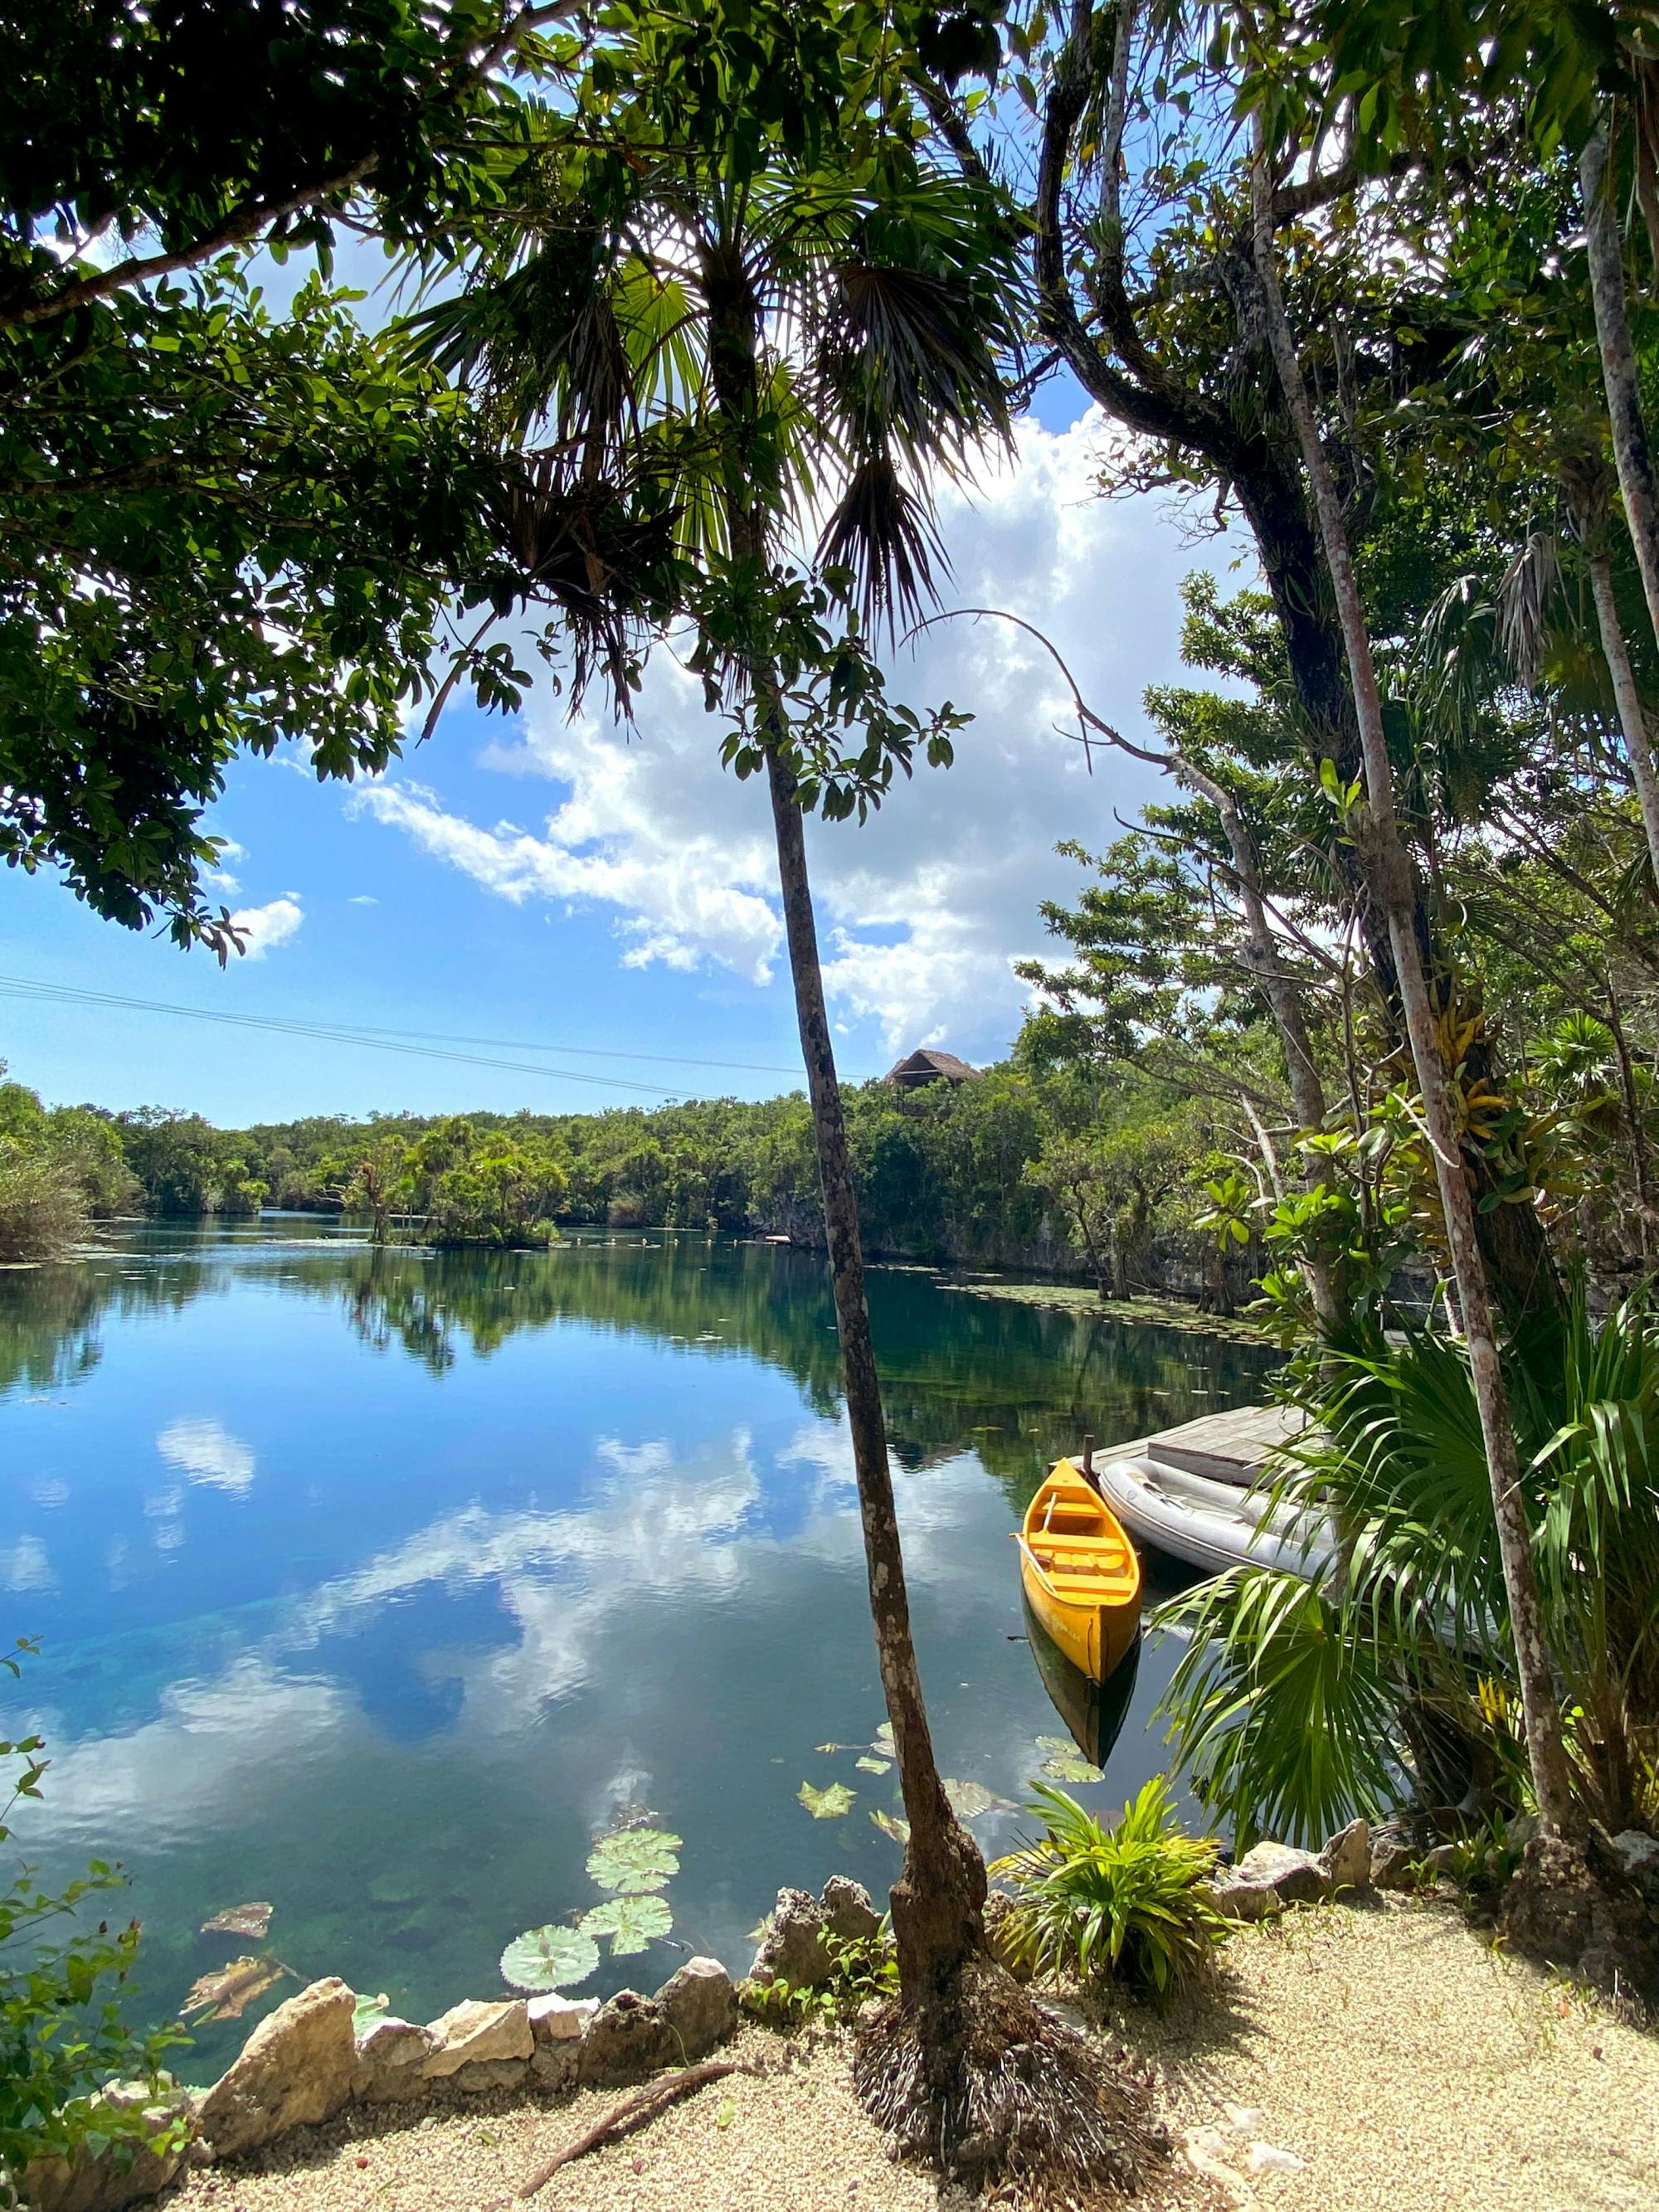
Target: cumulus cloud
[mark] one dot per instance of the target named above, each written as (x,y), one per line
(363,898)
(206,1453)
(265,928)
(924,910)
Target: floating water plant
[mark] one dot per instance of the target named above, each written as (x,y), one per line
(226,1994)
(631,1923)
(969,1799)
(1063,1762)
(552,1958)
(634,1860)
(828,1803)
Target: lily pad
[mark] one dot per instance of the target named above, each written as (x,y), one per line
(828,1803)
(634,1860)
(969,1799)
(252,1920)
(552,1958)
(367,2011)
(631,1923)
(227,1994)
(875,1765)
(882,1744)
(390,1888)
(1063,1762)
(892,1825)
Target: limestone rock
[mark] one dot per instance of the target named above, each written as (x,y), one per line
(1391,1865)
(86,2183)
(1637,1855)
(475,2032)
(1346,1860)
(1443,1859)
(390,2054)
(847,1912)
(553,2066)
(1295,1877)
(555,2018)
(792,1949)
(627,2038)
(480,2076)
(701,2006)
(295,2070)
(1236,1899)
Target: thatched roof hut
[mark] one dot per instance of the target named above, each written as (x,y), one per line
(928,1065)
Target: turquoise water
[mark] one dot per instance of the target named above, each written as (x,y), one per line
(375,1585)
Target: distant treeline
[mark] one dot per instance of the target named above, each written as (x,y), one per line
(1025,1166)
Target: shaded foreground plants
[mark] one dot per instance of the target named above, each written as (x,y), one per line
(1130,1904)
(1296,1707)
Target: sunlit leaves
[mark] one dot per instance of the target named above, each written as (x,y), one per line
(551,1958)
(634,1860)
(1063,1762)
(828,1803)
(631,1923)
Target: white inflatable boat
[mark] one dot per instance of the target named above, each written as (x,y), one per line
(1210,1524)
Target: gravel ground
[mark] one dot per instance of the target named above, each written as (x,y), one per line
(1350,2059)
(1410,2068)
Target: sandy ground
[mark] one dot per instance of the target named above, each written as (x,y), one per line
(1350,2059)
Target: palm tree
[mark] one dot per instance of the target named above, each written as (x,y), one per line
(731,337)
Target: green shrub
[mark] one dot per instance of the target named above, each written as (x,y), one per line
(63,2038)
(43,1209)
(1131,1903)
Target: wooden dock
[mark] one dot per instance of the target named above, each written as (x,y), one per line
(1232,1447)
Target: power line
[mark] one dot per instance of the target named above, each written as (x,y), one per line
(29,989)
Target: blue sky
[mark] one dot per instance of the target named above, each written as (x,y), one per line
(549,884)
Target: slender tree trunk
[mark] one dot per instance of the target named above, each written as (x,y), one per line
(938,1899)
(1391,872)
(1631,454)
(1638,748)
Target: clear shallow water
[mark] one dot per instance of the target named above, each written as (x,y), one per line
(374,1584)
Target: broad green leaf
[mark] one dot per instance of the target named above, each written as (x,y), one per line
(875,1765)
(634,1860)
(969,1799)
(1063,1762)
(631,1923)
(828,1803)
(892,1825)
(367,2011)
(551,1958)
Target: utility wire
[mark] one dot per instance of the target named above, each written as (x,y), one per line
(28,989)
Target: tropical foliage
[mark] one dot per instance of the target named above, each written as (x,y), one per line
(1131,1902)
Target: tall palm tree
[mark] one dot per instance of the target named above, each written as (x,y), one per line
(756,341)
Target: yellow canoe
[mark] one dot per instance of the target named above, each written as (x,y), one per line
(1081,1575)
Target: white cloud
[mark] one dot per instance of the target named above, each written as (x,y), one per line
(363,898)
(924,910)
(265,928)
(24,1566)
(221,877)
(206,1453)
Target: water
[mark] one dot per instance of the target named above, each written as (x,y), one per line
(374,1584)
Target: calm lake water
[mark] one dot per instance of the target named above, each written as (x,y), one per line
(375,1584)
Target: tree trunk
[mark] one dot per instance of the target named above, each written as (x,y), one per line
(1638,748)
(938,1898)
(1392,878)
(1631,454)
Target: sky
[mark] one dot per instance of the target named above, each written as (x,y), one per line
(599,905)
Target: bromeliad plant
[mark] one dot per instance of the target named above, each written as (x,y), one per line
(1130,1904)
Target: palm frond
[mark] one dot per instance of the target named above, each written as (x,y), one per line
(884,536)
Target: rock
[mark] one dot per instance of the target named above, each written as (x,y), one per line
(701,2006)
(627,2038)
(483,2075)
(1236,1899)
(556,2019)
(847,1912)
(295,2070)
(999,1939)
(1442,1859)
(1391,1866)
(791,1950)
(1295,1877)
(86,2183)
(475,2032)
(1638,1856)
(553,2066)
(390,2054)
(1346,1860)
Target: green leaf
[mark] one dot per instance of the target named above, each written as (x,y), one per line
(634,1860)
(551,1958)
(1063,1762)
(969,1799)
(367,2011)
(874,1766)
(828,1803)
(892,1825)
(631,1923)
